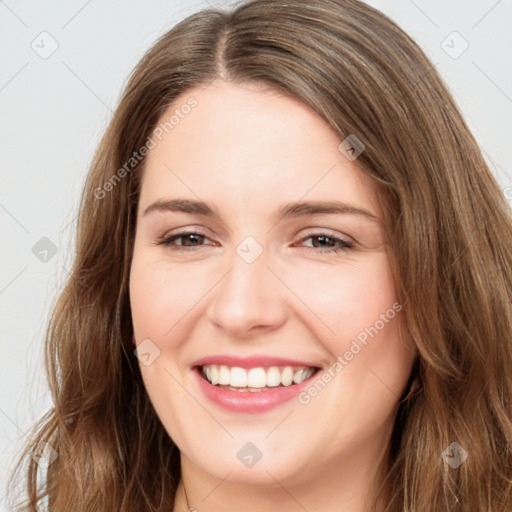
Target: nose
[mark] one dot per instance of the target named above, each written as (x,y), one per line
(249,300)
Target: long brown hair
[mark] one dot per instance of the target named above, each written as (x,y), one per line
(447,224)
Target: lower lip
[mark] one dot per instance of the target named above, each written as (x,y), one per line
(247,401)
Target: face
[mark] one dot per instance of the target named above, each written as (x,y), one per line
(262,298)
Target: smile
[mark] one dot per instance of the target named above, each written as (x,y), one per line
(253,384)
(255,379)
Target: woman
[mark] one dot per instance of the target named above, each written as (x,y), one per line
(292,283)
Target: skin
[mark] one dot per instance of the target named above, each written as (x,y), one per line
(246,150)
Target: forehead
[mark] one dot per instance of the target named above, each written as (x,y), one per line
(248,144)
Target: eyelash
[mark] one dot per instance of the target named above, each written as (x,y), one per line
(343,246)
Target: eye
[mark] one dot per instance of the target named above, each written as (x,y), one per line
(189,240)
(329,243)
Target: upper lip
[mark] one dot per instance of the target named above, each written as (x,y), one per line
(253,361)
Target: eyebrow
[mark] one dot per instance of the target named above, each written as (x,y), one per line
(291,210)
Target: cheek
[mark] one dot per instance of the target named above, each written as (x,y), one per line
(370,362)
(358,320)
(161,295)
(347,298)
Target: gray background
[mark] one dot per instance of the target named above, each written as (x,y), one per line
(55,107)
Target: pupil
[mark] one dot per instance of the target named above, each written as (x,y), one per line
(189,238)
(324,238)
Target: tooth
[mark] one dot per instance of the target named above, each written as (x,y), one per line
(238,377)
(208,372)
(256,378)
(287,376)
(298,376)
(308,373)
(273,377)
(214,374)
(224,375)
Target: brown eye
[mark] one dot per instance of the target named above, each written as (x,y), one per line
(328,243)
(189,240)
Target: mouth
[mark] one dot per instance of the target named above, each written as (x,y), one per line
(255,380)
(253,389)
(251,385)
